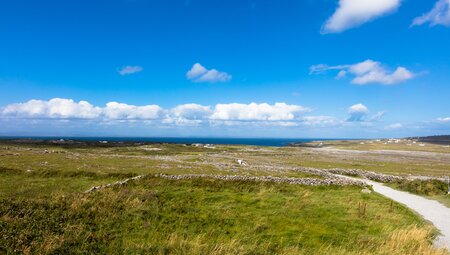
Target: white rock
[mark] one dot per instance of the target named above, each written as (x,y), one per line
(366,191)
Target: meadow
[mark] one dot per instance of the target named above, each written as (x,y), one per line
(45,209)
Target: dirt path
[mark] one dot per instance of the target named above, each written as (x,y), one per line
(430,210)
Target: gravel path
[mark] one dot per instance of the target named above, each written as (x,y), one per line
(430,210)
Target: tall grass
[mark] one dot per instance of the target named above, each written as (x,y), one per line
(158,216)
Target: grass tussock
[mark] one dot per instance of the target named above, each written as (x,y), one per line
(409,241)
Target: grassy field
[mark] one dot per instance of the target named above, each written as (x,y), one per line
(44,210)
(402,158)
(385,144)
(208,217)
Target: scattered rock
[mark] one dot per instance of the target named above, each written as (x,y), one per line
(366,191)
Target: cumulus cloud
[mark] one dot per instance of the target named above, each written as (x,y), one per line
(357,112)
(73,113)
(199,73)
(367,72)
(280,114)
(120,111)
(191,111)
(439,15)
(230,114)
(130,70)
(188,114)
(257,112)
(54,108)
(354,13)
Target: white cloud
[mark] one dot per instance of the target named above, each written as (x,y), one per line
(378,116)
(320,121)
(373,72)
(258,112)
(191,111)
(255,123)
(228,114)
(439,15)
(357,112)
(188,115)
(367,72)
(444,119)
(130,70)
(196,70)
(54,108)
(353,13)
(341,74)
(120,111)
(199,73)
(279,114)
(322,68)
(394,126)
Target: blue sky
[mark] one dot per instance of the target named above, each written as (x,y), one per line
(296,68)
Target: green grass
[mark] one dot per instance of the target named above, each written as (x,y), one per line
(164,216)
(444,199)
(177,159)
(402,145)
(44,210)
(432,189)
(422,187)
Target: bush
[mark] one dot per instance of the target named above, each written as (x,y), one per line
(423,187)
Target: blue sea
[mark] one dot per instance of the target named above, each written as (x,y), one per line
(186,140)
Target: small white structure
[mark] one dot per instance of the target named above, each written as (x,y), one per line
(421,144)
(241,162)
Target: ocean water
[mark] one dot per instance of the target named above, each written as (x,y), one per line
(187,140)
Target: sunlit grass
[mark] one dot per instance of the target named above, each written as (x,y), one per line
(43,207)
(204,216)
